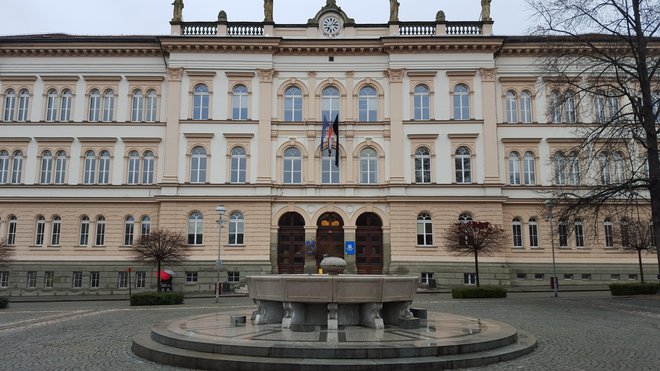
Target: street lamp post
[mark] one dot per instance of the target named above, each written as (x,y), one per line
(220,210)
(555,283)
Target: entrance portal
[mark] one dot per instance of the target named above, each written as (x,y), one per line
(329,237)
(369,244)
(291,244)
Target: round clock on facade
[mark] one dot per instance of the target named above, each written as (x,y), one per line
(330,25)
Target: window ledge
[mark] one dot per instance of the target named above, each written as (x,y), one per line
(235,246)
(426,246)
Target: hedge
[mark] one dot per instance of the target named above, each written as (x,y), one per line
(478,292)
(621,289)
(157,298)
(4,302)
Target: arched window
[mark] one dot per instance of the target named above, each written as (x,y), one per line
(368,166)
(108,105)
(137,106)
(238,165)
(330,103)
(424,230)
(239,103)
(292,166)
(461,102)
(511,106)
(529,175)
(421,102)
(514,168)
(574,168)
(51,106)
(604,167)
(201,102)
(599,106)
(464,218)
(129,230)
(329,171)
(104,167)
(293,104)
(145,226)
(555,106)
(236,228)
(526,106)
(90,167)
(133,167)
(613,107)
(560,168)
(368,104)
(84,231)
(562,228)
(100,231)
(11,231)
(569,103)
(148,168)
(94,105)
(516,232)
(17,167)
(462,160)
(65,105)
(422,165)
(46,167)
(40,231)
(619,169)
(23,104)
(152,106)
(609,233)
(10,105)
(55,231)
(195,229)
(533,233)
(4,167)
(579,234)
(198,165)
(625,233)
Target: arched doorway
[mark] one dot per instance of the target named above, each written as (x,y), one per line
(329,237)
(291,243)
(369,244)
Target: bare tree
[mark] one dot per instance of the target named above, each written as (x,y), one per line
(5,252)
(474,238)
(161,247)
(601,68)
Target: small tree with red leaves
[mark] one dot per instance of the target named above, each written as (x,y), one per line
(473,237)
(161,247)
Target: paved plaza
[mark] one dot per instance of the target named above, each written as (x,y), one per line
(577,331)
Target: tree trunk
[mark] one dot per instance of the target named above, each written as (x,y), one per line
(476,265)
(641,267)
(158,276)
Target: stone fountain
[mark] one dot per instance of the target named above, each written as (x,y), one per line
(331,322)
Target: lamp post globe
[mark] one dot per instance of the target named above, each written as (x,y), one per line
(220,210)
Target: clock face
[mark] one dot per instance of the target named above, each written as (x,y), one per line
(330,26)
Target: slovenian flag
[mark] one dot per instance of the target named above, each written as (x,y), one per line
(326,125)
(335,128)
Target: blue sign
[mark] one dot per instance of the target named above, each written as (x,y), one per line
(310,247)
(350,248)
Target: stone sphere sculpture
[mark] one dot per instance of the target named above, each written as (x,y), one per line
(333,265)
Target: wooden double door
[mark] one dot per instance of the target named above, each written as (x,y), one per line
(291,244)
(329,237)
(369,244)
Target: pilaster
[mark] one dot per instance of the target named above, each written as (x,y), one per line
(171,154)
(489,111)
(265,115)
(396,126)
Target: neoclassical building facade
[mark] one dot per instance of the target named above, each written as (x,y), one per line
(106,138)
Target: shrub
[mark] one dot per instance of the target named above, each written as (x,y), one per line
(4,302)
(157,298)
(620,289)
(478,292)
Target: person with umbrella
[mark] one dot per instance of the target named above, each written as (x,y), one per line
(165,277)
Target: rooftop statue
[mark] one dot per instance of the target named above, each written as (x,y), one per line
(268,10)
(177,14)
(394,11)
(485,10)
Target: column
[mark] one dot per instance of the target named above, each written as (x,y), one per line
(396,156)
(489,112)
(265,116)
(310,260)
(349,235)
(171,153)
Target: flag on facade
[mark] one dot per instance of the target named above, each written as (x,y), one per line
(335,127)
(326,125)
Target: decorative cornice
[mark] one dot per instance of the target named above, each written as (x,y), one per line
(239,74)
(18,78)
(140,140)
(97,139)
(145,78)
(521,140)
(200,73)
(199,135)
(463,136)
(462,73)
(422,136)
(16,139)
(60,78)
(54,139)
(102,78)
(238,135)
(76,50)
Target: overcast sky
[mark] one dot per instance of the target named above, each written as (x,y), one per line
(151,17)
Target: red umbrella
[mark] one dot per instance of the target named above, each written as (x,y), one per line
(164,276)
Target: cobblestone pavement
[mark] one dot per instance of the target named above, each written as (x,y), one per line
(577,331)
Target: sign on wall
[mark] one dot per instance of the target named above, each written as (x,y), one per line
(349,248)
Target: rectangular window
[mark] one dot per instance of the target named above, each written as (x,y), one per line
(234,277)
(521,276)
(470,278)
(77,280)
(615,276)
(48,279)
(579,235)
(586,276)
(539,276)
(95,280)
(4,279)
(122,280)
(191,277)
(568,276)
(632,277)
(426,278)
(31,280)
(140,280)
